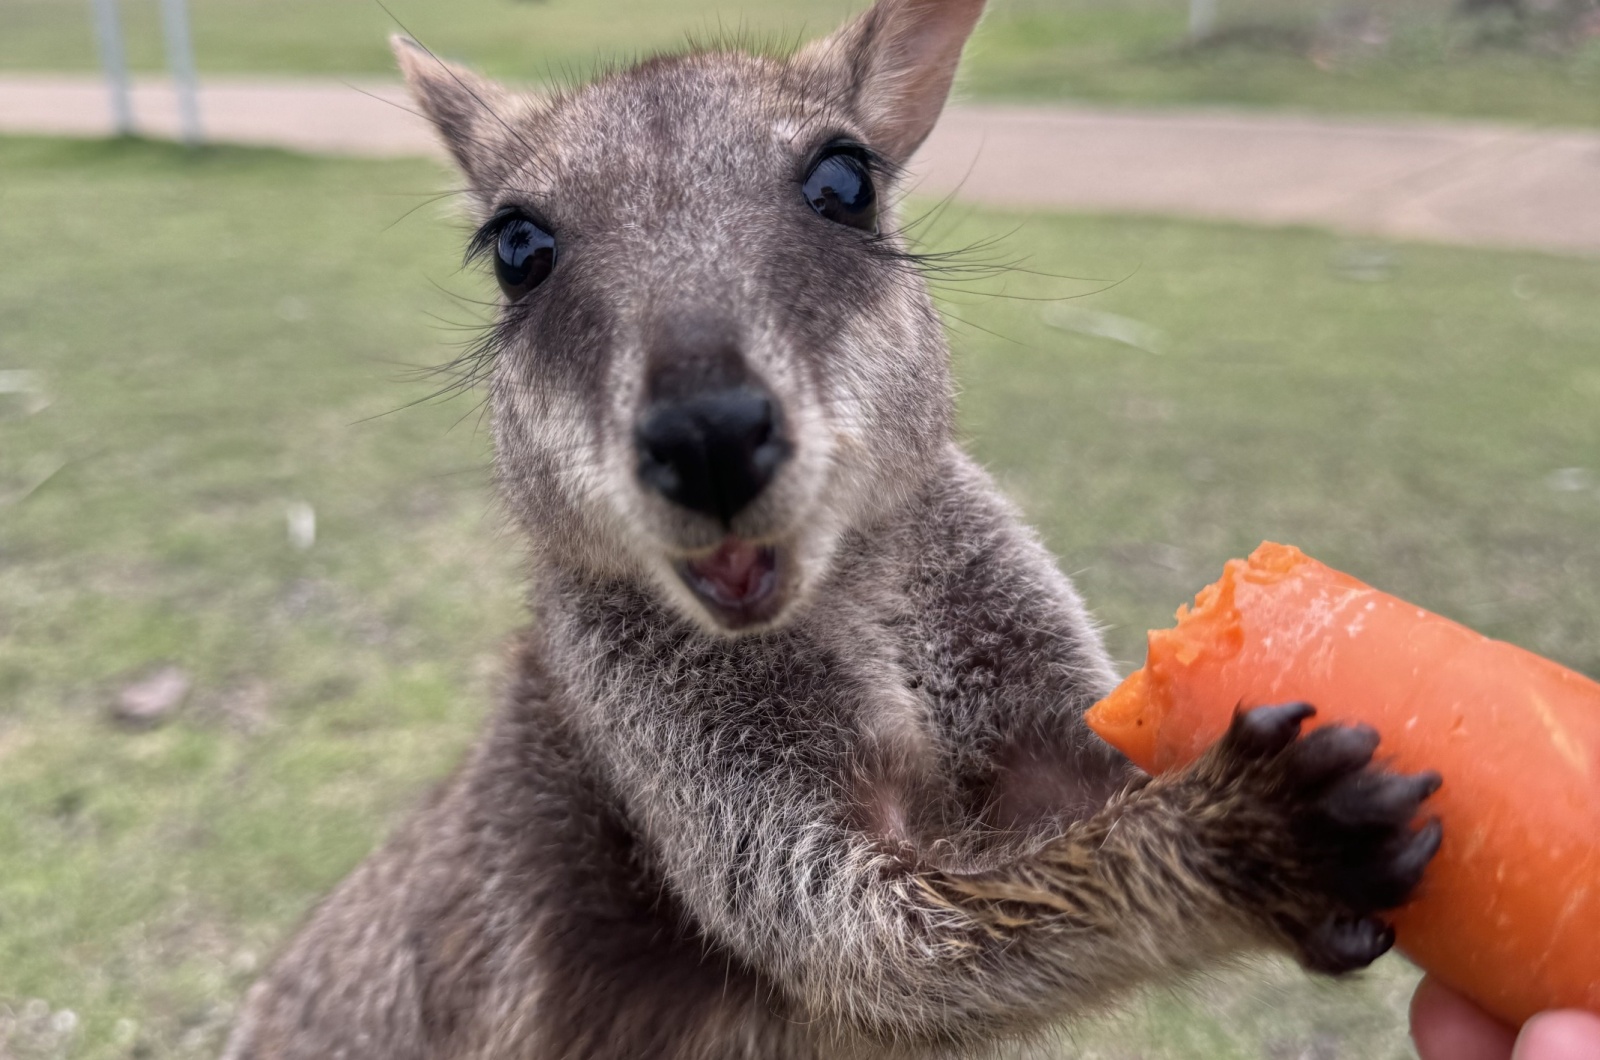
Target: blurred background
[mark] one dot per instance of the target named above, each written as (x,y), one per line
(1325,271)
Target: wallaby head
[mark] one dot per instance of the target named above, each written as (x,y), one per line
(714,355)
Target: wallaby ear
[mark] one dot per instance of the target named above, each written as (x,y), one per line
(465,108)
(900,57)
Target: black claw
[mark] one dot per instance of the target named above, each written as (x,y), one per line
(1371,798)
(1344,945)
(1390,879)
(1413,858)
(1333,751)
(1265,731)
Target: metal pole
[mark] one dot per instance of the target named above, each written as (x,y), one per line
(108,31)
(180,60)
(1202,18)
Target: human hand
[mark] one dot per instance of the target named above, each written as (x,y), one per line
(1446,1026)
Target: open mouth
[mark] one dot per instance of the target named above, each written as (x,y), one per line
(738,582)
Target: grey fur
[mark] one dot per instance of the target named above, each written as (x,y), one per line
(873,826)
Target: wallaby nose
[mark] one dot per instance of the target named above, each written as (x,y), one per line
(713,453)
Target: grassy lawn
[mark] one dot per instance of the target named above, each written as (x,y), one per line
(219,337)
(1416,57)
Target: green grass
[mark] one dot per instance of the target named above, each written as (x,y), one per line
(1125,51)
(217,333)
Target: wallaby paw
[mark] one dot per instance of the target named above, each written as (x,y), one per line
(1345,851)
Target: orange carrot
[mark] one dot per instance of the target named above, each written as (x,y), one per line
(1509,911)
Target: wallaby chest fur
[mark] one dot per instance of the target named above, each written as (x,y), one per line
(532,909)
(791,763)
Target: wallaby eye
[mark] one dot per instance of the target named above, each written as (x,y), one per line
(839,187)
(524,256)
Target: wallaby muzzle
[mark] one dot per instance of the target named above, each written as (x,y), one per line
(712,453)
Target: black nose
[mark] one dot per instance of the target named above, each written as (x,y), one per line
(712,453)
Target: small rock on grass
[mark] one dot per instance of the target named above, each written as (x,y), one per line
(152,699)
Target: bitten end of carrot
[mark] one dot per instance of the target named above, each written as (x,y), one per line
(1271,558)
(1123,719)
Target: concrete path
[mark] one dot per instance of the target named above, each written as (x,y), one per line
(1445,182)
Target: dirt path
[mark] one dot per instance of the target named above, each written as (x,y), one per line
(1444,182)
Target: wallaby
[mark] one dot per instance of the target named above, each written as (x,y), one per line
(792,764)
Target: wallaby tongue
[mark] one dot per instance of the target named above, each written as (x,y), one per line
(736,572)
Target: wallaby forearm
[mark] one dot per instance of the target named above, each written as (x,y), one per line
(1169,874)
(914,952)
